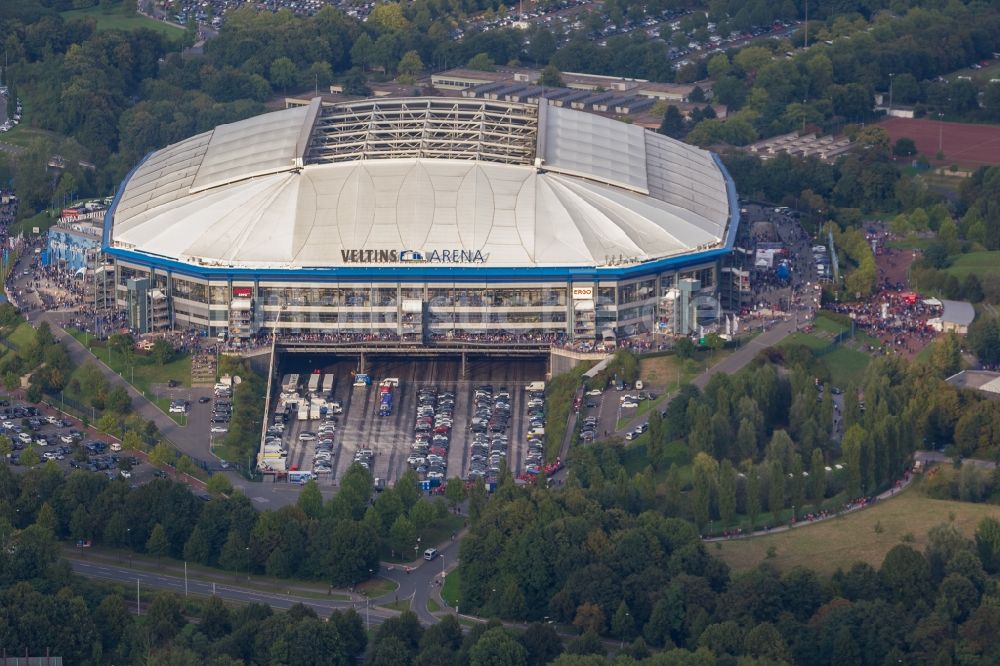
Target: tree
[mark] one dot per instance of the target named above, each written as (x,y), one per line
(988,544)
(215,621)
(219,484)
(753,496)
(672,124)
(727,493)
(497,647)
(551,76)
(363,52)
(402,535)
(235,553)
(817,480)
(776,489)
(410,64)
(481,62)
(622,623)
(118,401)
(157,543)
(541,642)
(684,348)
(29,457)
(162,351)
(905,147)
(906,575)
(851,446)
(589,617)
(283,74)
(454,492)
(706,471)
(311,500)
(163,454)
(765,642)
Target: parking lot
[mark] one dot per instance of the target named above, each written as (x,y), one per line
(64,441)
(389,438)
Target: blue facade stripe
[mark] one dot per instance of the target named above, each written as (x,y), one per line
(477,273)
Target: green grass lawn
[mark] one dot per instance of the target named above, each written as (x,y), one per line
(910,243)
(839,542)
(828,325)
(433,606)
(376,587)
(846,365)
(980,263)
(400,605)
(116,20)
(144,371)
(809,340)
(22,336)
(449,591)
(42,220)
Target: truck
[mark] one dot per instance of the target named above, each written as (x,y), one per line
(535,387)
(385,399)
(303,410)
(271,464)
(314,380)
(314,407)
(328,384)
(290,383)
(362,380)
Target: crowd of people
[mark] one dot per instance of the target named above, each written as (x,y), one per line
(896,317)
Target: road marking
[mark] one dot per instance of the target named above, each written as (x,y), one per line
(262,500)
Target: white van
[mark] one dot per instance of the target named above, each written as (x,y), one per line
(532,387)
(430,554)
(116,447)
(638,385)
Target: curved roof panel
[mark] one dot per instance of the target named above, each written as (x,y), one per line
(256,194)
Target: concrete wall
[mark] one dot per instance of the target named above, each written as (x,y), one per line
(564,360)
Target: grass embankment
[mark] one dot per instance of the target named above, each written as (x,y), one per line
(864,536)
(376,587)
(847,361)
(980,263)
(143,371)
(449,591)
(558,403)
(117,20)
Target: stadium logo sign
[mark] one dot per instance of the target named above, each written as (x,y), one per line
(413,256)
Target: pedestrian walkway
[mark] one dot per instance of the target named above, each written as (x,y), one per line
(852,507)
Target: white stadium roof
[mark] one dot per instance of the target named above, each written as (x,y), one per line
(522,184)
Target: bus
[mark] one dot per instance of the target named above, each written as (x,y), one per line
(300,476)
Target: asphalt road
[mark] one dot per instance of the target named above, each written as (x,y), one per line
(126,575)
(417,582)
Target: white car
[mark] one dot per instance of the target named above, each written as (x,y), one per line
(8,424)
(24,437)
(66,439)
(219,427)
(178,408)
(126,474)
(630,405)
(594,392)
(307,436)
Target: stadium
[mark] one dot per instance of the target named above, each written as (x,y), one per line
(425,220)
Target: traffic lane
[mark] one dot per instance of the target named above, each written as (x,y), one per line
(415,582)
(229,592)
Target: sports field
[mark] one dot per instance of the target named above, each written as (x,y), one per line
(964,144)
(839,542)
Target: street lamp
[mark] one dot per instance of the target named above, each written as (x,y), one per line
(892,75)
(128,532)
(416,547)
(248,562)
